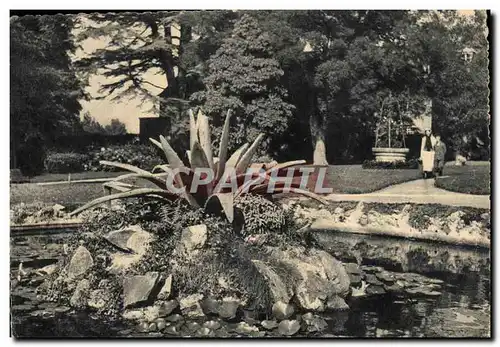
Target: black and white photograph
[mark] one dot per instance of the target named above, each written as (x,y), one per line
(250,174)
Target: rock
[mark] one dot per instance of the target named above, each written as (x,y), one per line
(172,330)
(80,262)
(279,290)
(339,210)
(245,328)
(393,288)
(161,324)
(99,298)
(193,237)
(317,324)
(137,314)
(289,327)
(190,306)
(139,241)
(375,290)
(355,279)
(385,277)
(210,306)
(337,304)
(81,294)
(204,332)
(138,289)
(167,308)
(143,327)
(363,220)
(228,308)
(371,269)
(48,270)
(119,238)
(352,268)
(175,318)
(152,327)
(282,310)
(269,324)
(212,325)
(372,279)
(192,326)
(166,289)
(62,309)
(152,313)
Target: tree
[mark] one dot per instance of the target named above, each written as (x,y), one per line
(243,77)
(45,92)
(116,127)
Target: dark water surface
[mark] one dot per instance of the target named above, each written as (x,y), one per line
(463,309)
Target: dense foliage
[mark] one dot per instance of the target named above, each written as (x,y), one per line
(65,162)
(143,156)
(44,89)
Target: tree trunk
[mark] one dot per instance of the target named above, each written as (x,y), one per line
(318,138)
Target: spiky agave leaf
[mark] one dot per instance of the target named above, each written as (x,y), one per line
(205,138)
(221,200)
(198,157)
(235,157)
(137,171)
(156,143)
(161,193)
(224,141)
(286,165)
(301,192)
(244,162)
(120,186)
(182,180)
(193,130)
(172,157)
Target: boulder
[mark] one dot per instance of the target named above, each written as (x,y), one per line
(134,314)
(210,306)
(352,268)
(81,294)
(190,306)
(139,289)
(80,263)
(289,327)
(278,288)
(168,307)
(193,238)
(119,238)
(166,289)
(228,308)
(137,246)
(282,311)
(337,304)
(269,324)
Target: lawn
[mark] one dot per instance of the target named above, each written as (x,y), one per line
(469,179)
(53,177)
(64,194)
(353,179)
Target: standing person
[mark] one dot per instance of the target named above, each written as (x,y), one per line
(440,152)
(427,153)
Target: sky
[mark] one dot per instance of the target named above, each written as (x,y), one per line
(128,111)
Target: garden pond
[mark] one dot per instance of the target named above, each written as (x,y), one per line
(447,297)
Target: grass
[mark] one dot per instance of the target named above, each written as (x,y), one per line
(469,179)
(54,177)
(353,179)
(64,194)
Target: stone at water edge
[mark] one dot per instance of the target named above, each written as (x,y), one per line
(138,289)
(352,268)
(134,314)
(282,310)
(289,327)
(161,324)
(80,262)
(372,279)
(212,325)
(269,324)
(337,304)
(245,328)
(167,308)
(228,308)
(174,318)
(355,279)
(190,306)
(210,306)
(193,237)
(204,332)
(166,289)
(279,290)
(375,290)
(81,294)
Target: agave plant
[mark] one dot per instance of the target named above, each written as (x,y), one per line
(201,156)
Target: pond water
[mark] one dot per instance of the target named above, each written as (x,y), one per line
(462,309)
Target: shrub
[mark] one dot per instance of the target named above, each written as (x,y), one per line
(143,156)
(65,162)
(398,165)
